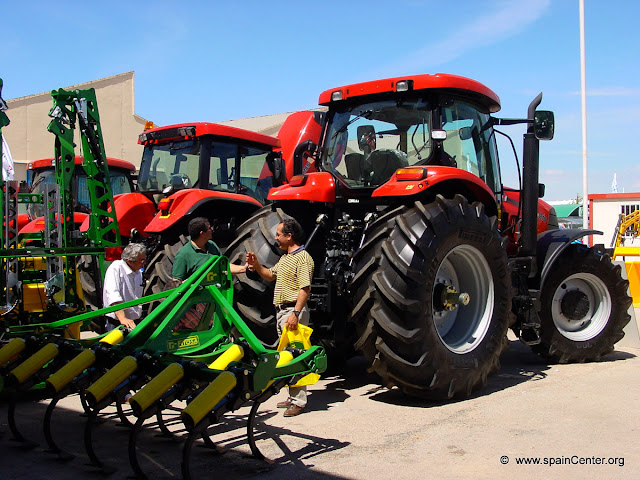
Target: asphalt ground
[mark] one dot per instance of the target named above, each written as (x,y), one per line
(576,420)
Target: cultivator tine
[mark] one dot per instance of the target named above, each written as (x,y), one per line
(53,447)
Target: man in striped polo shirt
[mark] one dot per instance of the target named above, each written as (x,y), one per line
(293,274)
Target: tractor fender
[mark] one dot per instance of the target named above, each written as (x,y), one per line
(312,187)
(442,180)
(37,225)
(552,243)
(133,210)
(185,202)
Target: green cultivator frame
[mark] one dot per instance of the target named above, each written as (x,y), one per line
(215,367)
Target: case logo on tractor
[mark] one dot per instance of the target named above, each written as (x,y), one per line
(188,342)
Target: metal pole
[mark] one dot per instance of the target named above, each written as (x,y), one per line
(583,94)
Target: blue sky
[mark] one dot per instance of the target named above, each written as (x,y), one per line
(215,61)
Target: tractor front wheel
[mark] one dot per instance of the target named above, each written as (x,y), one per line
(584,304)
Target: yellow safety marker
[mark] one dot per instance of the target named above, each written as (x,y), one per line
(11,350)
(231,354)
(208,398)
(157,387)
(71,370)
(110,380)
(35,362)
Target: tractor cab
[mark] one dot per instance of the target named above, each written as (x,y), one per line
(205,156)
(369,137)
(41,173)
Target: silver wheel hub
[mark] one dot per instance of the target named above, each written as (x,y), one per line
(463,299)
(581,307)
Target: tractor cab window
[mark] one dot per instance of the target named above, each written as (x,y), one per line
(173,165)
(240,169)
(470,142)
(366,144)
(119,181)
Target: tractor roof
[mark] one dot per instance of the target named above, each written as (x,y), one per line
(198,129)
(112,162)
(440,81)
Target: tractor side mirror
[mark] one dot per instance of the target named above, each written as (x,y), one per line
(541,190)
(543,124)
(277,167)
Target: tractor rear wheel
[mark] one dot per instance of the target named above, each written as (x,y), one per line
(584,304)
(159,270)
(88,271)
(253,297)
(432,296)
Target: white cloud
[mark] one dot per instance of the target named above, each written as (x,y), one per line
(503,20)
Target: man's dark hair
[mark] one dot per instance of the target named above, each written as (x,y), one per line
(196,226)
(291,225)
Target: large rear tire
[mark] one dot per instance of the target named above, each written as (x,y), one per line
(253,297)
(412,274)
(159,270)
(584,304)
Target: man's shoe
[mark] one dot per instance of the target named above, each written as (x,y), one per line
(286,404)
(293,410)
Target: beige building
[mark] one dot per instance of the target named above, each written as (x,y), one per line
(29,140)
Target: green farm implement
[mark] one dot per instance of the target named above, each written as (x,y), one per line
(216,367)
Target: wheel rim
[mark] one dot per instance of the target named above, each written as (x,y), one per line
(581,307)
(466,271)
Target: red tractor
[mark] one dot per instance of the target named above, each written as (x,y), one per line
(41,173)
(423,258)
(215,171)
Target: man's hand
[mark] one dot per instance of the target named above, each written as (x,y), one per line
(292,322)
(251,259)
(127,322)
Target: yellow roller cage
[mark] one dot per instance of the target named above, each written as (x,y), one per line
(11,350)
(231,354)
(71,370)
(157,387)
(110,380)
(35,362)
(208,398)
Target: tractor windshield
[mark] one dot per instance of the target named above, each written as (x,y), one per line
(208,164)
(366,144)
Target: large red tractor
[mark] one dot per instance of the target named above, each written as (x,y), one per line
(215,171)
(423,258)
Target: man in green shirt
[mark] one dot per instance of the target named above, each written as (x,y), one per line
(198,250)
(191,257)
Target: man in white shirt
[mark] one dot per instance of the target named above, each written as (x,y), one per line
(123,283)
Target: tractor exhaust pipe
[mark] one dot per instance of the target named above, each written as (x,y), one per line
(530,187)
